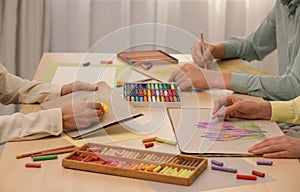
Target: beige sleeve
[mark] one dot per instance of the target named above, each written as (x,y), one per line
(18,126)
(14,89)
(286,111)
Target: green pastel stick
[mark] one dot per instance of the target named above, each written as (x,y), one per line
(86,64)
(46,157)
(165,141)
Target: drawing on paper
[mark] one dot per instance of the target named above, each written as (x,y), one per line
(220,131)
(164,70)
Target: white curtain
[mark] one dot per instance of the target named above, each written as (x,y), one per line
(79,24)
(24,36)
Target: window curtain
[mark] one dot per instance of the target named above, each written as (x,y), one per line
(24,36)
(78,24)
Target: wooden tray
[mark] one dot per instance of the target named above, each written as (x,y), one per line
(135,163)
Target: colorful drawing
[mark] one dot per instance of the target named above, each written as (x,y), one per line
(220,131)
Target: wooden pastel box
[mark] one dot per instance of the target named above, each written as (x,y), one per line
(149,56)
(141,164)
(152,94)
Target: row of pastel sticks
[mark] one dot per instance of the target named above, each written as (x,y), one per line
(185,161)
(217,165)
(151,92)
(125,153)
(167,170)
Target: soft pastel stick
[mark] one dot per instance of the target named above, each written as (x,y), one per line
(166,141)
(157,99)
(46,157)
(215,162)
(247,177)
(160,86)
(149,139)
(257,173)
(172,86)
(175,99)
(148,145)
(264,162)
(33,165)
(174,93)
(161,92)
(140,92)
(225,169)
(166,93)
(153,99)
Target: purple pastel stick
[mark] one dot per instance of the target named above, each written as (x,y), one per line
(225,169)
(215,162)
(264,162)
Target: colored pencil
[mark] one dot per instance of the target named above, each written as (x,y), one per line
(48,151)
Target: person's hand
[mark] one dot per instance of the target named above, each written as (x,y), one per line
(204,53)
(189,76)
(277,147)
(243,109)
(81,115)
(76,86)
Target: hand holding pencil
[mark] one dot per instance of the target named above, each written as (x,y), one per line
(201,52)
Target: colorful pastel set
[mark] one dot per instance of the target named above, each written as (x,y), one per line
(141,164)
(149,94)
(151,56)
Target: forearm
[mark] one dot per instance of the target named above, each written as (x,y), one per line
(14,89)
(31,126)
(268,87)
(216,79)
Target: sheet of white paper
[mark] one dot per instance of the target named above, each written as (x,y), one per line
(64,75)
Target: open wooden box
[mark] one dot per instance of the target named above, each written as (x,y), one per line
(135,163)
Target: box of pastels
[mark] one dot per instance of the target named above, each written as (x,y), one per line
(141,164)
(152,94)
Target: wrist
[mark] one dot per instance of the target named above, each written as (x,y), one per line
(266,110)
(219,51)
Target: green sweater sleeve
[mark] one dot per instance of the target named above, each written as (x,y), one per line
(277,31)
